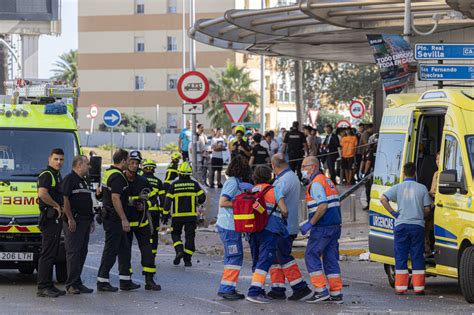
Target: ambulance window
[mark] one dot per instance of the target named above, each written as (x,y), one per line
(470,151)
(453,157)
(389,159)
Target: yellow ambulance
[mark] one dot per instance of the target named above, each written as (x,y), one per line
(35,117)
(435,130)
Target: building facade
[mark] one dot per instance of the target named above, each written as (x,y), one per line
(130,57)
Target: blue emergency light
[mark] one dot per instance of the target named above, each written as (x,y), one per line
(55,109)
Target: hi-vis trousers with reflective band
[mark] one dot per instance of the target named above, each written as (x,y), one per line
(263,248)
(155,218)
(324,242)
(143,236)
(409,239)
(189,234)
(233,259)
(284,268)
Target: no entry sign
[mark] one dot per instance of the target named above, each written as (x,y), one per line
(343,124)
(193,87)
(357,109)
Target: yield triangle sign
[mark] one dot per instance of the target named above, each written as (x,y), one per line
(313,115)
(236,110)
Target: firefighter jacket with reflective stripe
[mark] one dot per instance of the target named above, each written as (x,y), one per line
(158,193)
(138,202)
(333,213)
(171,172)
(184,195)
(114,181)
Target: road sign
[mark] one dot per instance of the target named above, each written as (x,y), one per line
(313,115)
(193,108)
(357,109)
(445,72)
(444,51)
(193,87)
(93,111)
(236,110)
(343,123)
(112,117)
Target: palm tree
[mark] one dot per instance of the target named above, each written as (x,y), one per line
(66,68)
(233,84)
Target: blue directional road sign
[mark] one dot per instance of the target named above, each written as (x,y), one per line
(445,72)
(112,117)
(444,51)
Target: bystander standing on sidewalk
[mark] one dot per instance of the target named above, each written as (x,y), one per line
(202,150)
(218,146)
(270,143)
(184,140)
(348,145)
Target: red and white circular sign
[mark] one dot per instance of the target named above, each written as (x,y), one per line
(357,109)
(193,87)
(93,111)
(343,123)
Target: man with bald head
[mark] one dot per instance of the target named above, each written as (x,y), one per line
(324,221)
(284,265)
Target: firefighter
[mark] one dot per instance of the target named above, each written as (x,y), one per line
(156,201)
(185,195)
(137,214)
(172,171)
(324,221)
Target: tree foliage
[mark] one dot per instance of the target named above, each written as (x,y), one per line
(326,117)
(66,68)
(131,123)
(233,84)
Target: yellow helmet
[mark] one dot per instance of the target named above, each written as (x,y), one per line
(149,163)
(240,128)
(175,156)
(185,169)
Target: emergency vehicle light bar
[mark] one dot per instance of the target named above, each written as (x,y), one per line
(39,88)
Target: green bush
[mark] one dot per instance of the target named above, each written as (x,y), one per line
(107,147)
(171,147)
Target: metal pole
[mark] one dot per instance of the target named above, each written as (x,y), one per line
(352,200)
(262,88)
(408,21)
(183,43)
(111,145)
(192,67)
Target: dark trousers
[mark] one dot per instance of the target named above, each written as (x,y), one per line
(295,165)
(143,236)
(51,237)
(216,168)
(76,244)
(185,155)
(116,245)
(155,219)
(331,165)
(189,235)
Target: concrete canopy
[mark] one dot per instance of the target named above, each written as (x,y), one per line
(326,30)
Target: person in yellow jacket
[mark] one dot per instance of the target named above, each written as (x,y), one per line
(172,171)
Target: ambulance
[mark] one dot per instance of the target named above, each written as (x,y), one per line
(35,117)
(435,130)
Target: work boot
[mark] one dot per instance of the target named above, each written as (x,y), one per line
(60,292)
(150,283)
(300,294)
(177,259)
(73,290)
(128,285)
(47,292)
(85,289)
(276,296)
(106,287)
(188,263)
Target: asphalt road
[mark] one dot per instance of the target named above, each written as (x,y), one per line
(193,291)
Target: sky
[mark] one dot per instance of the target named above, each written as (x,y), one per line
(50,47)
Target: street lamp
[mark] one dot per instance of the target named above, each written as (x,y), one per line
(123,138)
(87,141)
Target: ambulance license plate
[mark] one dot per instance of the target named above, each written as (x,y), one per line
(16,256)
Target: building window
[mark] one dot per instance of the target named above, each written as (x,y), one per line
(172,6)
(139,83)
(139,6)
(139,44)
(172,46)
(172,81)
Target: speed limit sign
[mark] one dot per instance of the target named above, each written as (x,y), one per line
(93,111)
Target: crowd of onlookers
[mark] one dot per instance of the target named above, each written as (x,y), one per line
(345,153)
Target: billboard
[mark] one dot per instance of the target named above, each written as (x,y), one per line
(29,10)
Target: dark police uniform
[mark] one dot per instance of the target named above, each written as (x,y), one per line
(295,141)
(155,206)
(260,154)
(50,226)
(185,195)
(139,224)
(76,189)
(116,240)
(171,174)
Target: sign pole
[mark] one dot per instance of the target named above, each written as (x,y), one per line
(111,145)
(192,67)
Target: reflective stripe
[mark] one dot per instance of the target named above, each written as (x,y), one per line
(401,272)
(419,288)
(278,285)
(401,287)
(135,224)
(184,214)
(177,243)
(151,241)
(334,293)
(168,195)
(149,270)
(125,277)
(154,251)
(418,272)
(134,198)
(53,179)
(296,281)
(234,267)
(103,280)
(287,265)
(244,216)
(334,204)
(225,282)
(316,273)
(333,275)
(276,266)
(187,251)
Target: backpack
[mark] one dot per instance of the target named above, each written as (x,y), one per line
(250,212)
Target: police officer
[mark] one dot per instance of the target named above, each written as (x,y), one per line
(78,223)
(324,221)
(136,212)
(155,204)
(50,205)
(295,142)
(172,171)
(115,193)
(185,195)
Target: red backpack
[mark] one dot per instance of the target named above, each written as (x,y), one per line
(250,212)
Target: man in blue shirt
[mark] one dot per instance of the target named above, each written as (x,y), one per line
(284,264)
(184,140)
(414,203)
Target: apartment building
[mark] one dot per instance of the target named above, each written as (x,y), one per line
(130,57)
